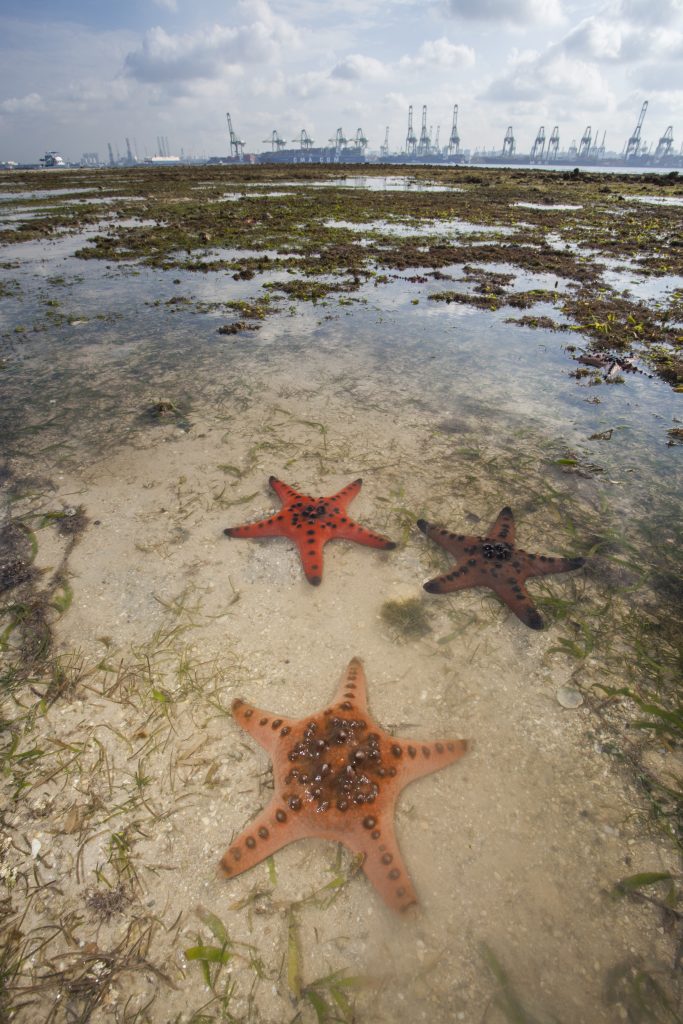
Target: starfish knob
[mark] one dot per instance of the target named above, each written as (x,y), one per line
(493,561)
(337,776)
(311,523)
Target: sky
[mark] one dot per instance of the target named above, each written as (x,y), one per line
(76,75)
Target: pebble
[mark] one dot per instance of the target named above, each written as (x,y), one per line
(569,697)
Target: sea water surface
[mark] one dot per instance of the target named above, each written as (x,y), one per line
(121,399)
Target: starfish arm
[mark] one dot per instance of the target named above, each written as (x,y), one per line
(286,493)
(382,861)
(270,830)
(415,759)
(516,597)
(503,528)
(310,545)
(455,543)
(270,527)
(447,583)
(347,494)
(352,688)
(266,728)
(545,565)
(350,530)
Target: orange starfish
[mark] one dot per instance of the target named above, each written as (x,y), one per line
(493,561)
(311,523)
(337,776)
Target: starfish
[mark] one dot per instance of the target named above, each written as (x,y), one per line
(337,776)
(311,523)
(494,561)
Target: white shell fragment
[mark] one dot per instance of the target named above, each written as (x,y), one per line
(35,848)
(569,697)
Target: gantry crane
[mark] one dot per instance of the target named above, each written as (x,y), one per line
(553,143)
(236,145)
(338,141)
(384,148)
(276,143)
(665,144)
(585,144)
(538,147)
(305,141)
(411,140)
(454,141)
(424,143)
(436,139)
(633,144)
(359,141)
(509,142)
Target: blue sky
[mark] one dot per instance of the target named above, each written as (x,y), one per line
(76,74)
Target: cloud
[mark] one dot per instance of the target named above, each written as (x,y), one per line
(651,12)
(511,12)
(535,78)
(439,53)
(168,5)
(166,57)
(23,104)
(356,67)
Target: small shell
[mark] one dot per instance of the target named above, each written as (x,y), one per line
(569,697)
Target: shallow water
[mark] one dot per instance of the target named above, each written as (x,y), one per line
(448,413)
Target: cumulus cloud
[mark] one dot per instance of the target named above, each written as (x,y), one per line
(511,12)
(356,66)
(439,53)
(166,57)
(168,5)
(597,38)
(534,78)
(651,12)
(23,104)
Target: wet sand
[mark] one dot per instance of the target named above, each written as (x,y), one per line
(114,830)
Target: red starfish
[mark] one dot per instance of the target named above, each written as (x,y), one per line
(337,776)
(493,561)
(310,523)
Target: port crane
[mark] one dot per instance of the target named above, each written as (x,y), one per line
(411,139)
(424,143)
(553,144)
(585,144)
(665,144)
(276,143)
(384,148)
(436,139)
(305,141)
(359,141)
(236,144)
(538,148)
(633,144)
(454,141)
(338,141)
(509,142)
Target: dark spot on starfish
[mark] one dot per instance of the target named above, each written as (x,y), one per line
(263,832)
(285,731)
(263,721)
(280,816)
(294,803)
(369,822)
(251,842)
(236,854)
(412,751)
(426,751)
(276,723)
(248,713)
(387,858)
(396,750)
(394,874)
(439,748)
(315,580)
(375,834)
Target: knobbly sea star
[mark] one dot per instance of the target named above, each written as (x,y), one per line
(337,776)
(311,523)
(494,561)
